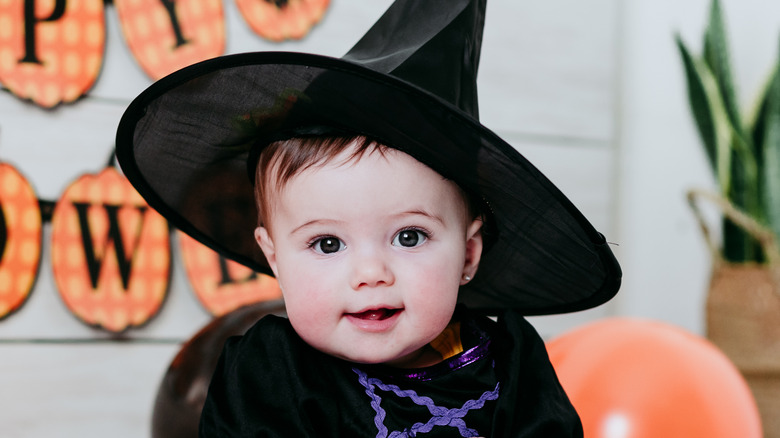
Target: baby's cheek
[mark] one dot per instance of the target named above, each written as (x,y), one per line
(436,295)
(309,316)
(441,279)
(305,302)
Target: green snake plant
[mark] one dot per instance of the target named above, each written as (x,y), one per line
(743,150)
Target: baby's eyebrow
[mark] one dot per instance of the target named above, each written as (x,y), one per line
(404,214)
(314,222)
(422,212)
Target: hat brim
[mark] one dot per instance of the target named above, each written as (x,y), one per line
(184,144)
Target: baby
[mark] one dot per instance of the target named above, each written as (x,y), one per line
(369,246)
(394,222)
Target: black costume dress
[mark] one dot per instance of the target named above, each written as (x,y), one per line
(269,383)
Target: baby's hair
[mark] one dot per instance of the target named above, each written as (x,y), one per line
(283,159)
(280,160)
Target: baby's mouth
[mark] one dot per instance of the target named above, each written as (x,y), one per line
(375,314)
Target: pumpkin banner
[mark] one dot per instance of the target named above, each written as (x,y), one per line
(52,51)
(166,35)
(279,20)
(111,254)
(220,284)
(20,239)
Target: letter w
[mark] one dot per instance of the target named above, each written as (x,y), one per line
(114,236)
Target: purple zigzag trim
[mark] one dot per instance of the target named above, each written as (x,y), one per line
(379,419)
(441,416)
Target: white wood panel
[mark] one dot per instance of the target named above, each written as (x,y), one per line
(583,171)
(549,67)
(53,147)
(80,390)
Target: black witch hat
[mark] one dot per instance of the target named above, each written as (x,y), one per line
(186,142)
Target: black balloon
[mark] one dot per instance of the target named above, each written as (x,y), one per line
(183,389)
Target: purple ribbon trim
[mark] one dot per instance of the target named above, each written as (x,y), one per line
(458,361)
(440,416)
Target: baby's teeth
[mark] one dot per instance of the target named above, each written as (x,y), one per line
(374,315)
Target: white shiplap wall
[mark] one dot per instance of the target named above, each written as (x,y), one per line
(547,84)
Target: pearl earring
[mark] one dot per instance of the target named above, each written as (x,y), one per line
(466,277)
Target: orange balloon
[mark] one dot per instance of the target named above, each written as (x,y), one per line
(631,378)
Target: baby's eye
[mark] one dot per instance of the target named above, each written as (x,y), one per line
(410,238)
(327,245)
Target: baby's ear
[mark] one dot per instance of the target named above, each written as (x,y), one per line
(473,248)
(265,243)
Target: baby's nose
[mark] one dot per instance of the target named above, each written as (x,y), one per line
(371,269)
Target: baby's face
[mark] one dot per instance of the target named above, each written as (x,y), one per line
(370,254)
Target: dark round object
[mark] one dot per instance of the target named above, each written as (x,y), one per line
(183,389)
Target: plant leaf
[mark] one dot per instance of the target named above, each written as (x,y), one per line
(770,148)
(709,114)
(745,179)
(717,57)
(738,245)
(758,131)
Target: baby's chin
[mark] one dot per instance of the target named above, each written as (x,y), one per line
(369,359)
(373,349)
(418,358)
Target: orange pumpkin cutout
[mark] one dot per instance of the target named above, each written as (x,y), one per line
(223,285)
(111,254)
(51,51)
(166,35)
(20,239)
(279,20)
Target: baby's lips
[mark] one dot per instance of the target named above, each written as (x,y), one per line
(375,314)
